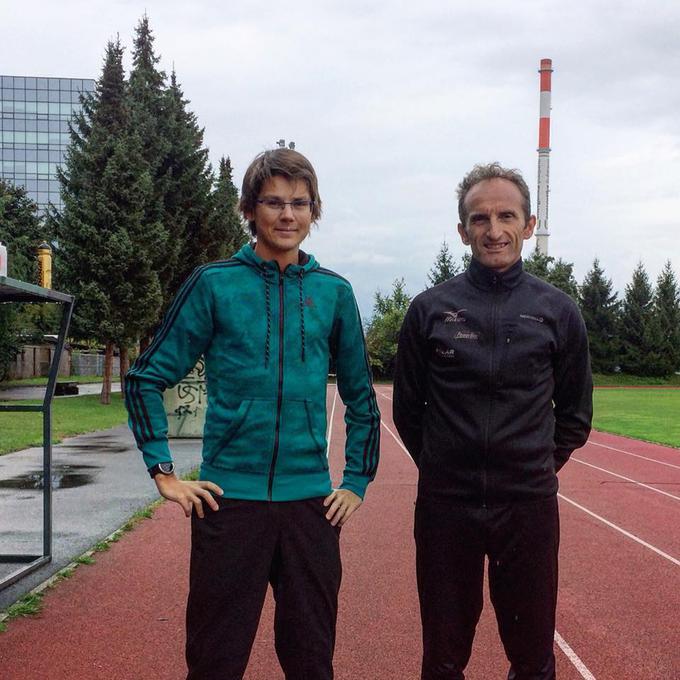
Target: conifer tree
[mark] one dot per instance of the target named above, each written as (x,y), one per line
(226,223)
(666,312)
(187,200)
(104,242)
(444,267)
(557,272)
(148,103)
(599,307)
(635,329)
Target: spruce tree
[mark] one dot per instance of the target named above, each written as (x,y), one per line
(148,103)
(666,313)
(557,272)
(187,199)
(226,223)
(599,307)
(444,267)
(634,324)
(104,241)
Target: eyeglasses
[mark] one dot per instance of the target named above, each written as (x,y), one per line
(299,205)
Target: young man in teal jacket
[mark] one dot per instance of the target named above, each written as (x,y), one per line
(268,321)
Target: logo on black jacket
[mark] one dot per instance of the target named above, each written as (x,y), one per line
(454,317)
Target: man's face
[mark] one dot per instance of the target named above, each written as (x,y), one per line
(280,232)
(495,227)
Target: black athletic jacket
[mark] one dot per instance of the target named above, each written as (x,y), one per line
(492,389)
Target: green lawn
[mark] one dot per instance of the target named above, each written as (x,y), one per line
(73,415)
(621,379)
(652,415)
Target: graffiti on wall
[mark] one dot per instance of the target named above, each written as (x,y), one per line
(185,404)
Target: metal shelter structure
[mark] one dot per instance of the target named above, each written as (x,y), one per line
(12,291)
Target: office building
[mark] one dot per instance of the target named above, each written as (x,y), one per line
(34,130)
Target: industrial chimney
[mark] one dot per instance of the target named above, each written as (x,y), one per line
(542,232)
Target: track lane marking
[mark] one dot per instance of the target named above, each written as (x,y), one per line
(633,537)
(396,439)
(573,657)
(568,651)
(637,455)
(329,431)
(382,394)
(628,479)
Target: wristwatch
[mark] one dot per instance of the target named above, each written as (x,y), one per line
(162,469)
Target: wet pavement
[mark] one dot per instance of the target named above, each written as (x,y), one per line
(38,391)
(98,481)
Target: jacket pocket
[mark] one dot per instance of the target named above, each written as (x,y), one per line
(302,441)
(247,441)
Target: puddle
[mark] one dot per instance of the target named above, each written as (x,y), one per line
(63,477)
(96,447)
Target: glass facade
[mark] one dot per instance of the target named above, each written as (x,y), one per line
(34,131)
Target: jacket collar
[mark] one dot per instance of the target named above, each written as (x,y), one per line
(488,279)
(306,262)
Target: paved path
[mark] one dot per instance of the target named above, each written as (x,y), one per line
(123,617)
(38,391)
(98,481)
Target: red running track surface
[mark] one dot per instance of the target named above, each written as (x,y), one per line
(123,618)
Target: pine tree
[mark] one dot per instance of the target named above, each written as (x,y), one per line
(187,197)
(599,307)
(557,272)
(148,103)
(444,267)
(634,324)
(226,223)
(104,242)
(666,312)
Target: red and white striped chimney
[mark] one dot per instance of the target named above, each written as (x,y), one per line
(542,232)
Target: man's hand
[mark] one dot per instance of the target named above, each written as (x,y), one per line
(190,495)
(342,504)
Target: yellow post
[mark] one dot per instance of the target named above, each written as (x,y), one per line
(45,262)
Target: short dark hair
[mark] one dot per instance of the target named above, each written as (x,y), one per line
(492,171)
(282,162)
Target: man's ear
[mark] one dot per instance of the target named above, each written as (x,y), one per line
(463,234)
(529,228)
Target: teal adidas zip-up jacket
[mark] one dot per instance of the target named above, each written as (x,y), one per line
(267,338)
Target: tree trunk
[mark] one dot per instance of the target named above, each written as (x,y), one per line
(144,342)
(124,365)
(108,369)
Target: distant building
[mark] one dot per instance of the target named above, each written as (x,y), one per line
(34,129)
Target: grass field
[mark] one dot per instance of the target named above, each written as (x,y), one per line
(74,415)
(652,415)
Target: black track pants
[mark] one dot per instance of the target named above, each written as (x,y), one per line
(521,542)
(235,553)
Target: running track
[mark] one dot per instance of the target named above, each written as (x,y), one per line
(618,612)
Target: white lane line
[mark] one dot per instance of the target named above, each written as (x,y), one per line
(628,479)
(382,394)
(636,455)
(396,439)
(573,657)
(568,651)
(623,531)
(329,432)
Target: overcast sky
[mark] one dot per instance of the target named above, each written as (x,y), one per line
(394,101)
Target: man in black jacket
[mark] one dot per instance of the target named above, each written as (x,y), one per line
(492,393)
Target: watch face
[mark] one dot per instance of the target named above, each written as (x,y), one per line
(166,468)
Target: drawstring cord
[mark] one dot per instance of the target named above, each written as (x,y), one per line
(302,315)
